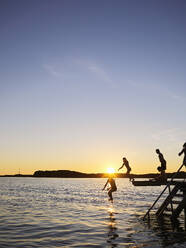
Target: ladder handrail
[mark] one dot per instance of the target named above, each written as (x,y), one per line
(174,175)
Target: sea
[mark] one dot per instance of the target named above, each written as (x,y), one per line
(58,212)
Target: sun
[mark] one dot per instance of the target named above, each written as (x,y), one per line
(110,170)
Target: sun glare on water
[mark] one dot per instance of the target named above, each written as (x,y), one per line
(110,170)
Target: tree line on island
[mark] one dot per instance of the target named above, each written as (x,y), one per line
(76,174)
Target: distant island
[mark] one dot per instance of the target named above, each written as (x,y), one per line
(76,174)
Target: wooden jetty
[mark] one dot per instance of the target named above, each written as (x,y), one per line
(174,202)
(148,183)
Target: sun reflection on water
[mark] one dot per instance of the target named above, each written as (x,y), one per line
(112,229)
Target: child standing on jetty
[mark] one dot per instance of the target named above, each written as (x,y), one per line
(183,151)
(112,188)
(162,167)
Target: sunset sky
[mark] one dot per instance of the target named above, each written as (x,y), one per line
(84,83)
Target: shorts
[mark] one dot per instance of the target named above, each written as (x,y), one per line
(159,168)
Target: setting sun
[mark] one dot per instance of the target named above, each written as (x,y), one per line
(111,170)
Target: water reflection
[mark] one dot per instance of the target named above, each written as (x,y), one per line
(169,232)
(112,229)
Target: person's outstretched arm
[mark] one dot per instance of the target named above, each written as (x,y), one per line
(121,167)
(180,153)
(105,185)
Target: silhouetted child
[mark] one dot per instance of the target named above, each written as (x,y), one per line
(112,188)
(126,164)
(163,162)
(183,151)
(161,168)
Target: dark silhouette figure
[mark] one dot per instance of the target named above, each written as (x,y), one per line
(162,167)
(126,164)
(183,151)
(112,188)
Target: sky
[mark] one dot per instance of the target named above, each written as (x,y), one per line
(85,83)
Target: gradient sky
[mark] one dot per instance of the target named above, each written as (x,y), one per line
(84,83)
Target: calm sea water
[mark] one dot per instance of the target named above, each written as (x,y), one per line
(47,212)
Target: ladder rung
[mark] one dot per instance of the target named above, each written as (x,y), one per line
(168,210)
(179,195)
(168,215)
(182,189)
(176,202)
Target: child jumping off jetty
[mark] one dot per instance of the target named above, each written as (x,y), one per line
(162,177)
(113,187)
(126,164)
(162,167)
(183,151)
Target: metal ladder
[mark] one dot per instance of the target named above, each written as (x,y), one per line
(169,199)
(174,202)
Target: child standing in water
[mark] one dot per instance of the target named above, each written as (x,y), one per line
(112,188)
(183,151)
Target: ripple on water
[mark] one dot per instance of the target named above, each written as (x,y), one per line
(76,213)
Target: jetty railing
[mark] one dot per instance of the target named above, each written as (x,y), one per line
(167,186)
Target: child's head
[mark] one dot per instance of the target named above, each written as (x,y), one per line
(157,151)
(110,179)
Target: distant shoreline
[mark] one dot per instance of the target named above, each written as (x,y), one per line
(75,174)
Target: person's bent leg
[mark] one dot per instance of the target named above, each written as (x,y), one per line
(110,194)
(163,174)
